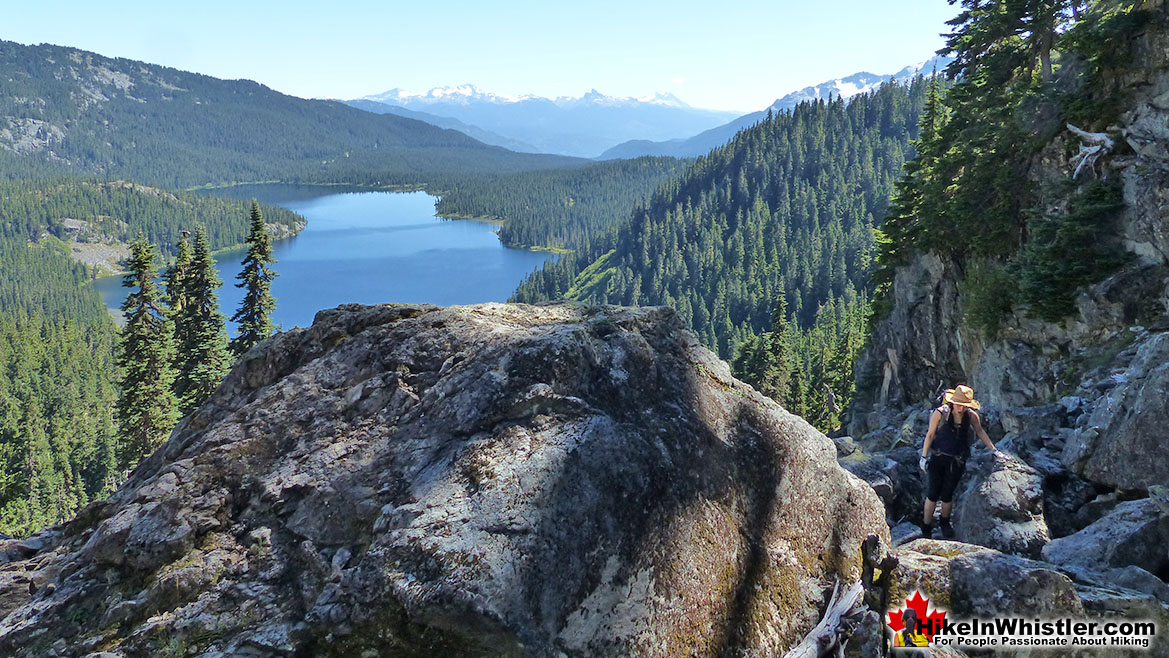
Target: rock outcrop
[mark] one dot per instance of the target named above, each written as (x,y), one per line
(494,480)
(976,582)
(1135,533)
(1080,509)
(1126,422)
(925,341)
(1001,507)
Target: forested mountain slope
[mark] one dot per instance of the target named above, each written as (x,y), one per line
(91,212)
(786,210)
(57,387)
(58,377)
(559,208)
(63,109)
(1034,213)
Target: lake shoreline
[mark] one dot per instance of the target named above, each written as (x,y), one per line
(372,246)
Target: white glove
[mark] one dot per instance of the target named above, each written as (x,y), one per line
(922,462)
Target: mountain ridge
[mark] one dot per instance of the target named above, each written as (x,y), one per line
(475,132)
(582,126)
(68,111)
(469,92)
(845,87)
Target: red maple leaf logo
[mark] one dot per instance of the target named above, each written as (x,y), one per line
(931,622)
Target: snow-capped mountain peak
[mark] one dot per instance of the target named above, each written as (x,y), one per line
(462,94)
(664,98)
(467,94)
(596,98)
(858,83)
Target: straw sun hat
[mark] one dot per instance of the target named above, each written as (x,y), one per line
(963,395)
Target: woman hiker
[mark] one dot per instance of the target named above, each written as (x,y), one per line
(949,438)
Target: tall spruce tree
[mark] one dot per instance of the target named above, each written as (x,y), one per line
(176,276)
(779,346)
(146,408)
(255,312)
(204,357)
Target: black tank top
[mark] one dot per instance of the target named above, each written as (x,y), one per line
(951,439)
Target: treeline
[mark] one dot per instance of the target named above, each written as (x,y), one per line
(976,192)
(77,112)
(785,211)
(104,211)
(561,208)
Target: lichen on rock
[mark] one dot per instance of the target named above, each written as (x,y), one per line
(494,480)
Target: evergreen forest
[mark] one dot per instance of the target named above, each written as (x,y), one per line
(781,217)
(777,248)
(563,209)
(1026,78)
(61,369)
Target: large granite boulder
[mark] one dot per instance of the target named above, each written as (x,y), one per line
(1123,440)
(495,480)
(978,581)
(1001,506)
(1135,533)
(994,583)
(923,565)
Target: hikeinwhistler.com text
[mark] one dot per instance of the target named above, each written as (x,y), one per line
(1009,632)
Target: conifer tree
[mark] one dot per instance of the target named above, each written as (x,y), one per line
(255,312)
(146,408)
(176,274)
(797,402)
(203,353)
(779,344)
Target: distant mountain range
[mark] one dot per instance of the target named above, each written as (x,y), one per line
(704,142)
(485,136)
(582,126)
(64,110)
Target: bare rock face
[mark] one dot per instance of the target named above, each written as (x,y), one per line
(924,339)
(1127,421)
(1135,533)
(494,480)
(1001,506)
(977,581)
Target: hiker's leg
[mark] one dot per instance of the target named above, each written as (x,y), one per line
(936,472)
(947,508)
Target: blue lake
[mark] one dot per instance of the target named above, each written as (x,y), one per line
(370,248)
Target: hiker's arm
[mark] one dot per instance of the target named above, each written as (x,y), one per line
(981,432)
(929,435)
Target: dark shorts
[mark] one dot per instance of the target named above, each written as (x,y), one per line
(944,473)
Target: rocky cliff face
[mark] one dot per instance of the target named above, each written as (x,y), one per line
(1111,340)
(1076,505)
(493,480)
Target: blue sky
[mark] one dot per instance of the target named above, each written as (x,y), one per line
(733,55)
